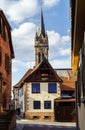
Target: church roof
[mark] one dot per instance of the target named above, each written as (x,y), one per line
(41,29)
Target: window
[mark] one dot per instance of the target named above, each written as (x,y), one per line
(47,104)
(52,88)
(7,64)
(39,57)
(2,29)
(35,88)
(43,56)
(21,105)
(36,104)
(0,56)
(21,91)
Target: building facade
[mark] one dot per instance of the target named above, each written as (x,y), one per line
(37,94)
(6,55)
(7,115)
(78,56)
(44,97)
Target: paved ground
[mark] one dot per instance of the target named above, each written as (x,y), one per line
(47,127)
(39,125)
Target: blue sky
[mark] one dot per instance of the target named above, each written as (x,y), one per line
(24,18)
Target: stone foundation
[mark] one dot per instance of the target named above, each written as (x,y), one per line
(40,116)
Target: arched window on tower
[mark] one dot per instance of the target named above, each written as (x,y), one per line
(39,57)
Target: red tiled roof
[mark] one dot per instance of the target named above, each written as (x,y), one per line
(69,82)
(67,88)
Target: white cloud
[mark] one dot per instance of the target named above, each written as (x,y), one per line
(58,45)
(53,38)
(19,10)
(23,41)
(58,63)
(50,3)
(17,64)
(20,65)
(65,52)
(19,68)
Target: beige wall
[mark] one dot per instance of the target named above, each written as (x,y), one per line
(42,96)
(81,116)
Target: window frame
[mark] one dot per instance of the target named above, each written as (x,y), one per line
(21,91)
(36,105)
(7,64)
(3,31)
(50,88)
(45,103)
(36,90)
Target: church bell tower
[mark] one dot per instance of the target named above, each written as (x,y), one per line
(41,42)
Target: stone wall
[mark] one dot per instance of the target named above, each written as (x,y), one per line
(40,116)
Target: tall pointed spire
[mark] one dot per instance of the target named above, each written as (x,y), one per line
(41,29)
(41,42)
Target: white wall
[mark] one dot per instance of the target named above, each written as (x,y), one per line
(42,96)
